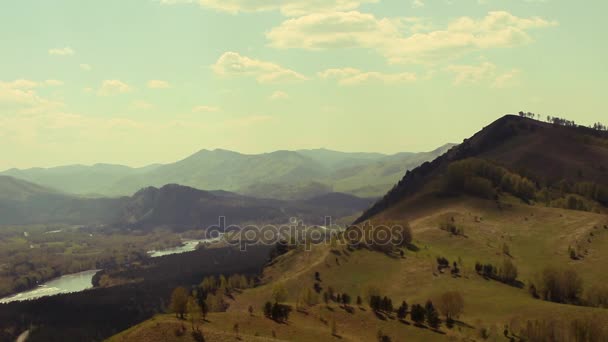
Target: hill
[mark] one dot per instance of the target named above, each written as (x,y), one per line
(183,208)
(79,179)
(172,206)
(511,220)
(559,161)
(280,175)
(23,202)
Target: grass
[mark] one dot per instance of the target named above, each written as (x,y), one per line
(537,237)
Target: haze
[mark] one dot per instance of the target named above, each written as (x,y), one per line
(142,81)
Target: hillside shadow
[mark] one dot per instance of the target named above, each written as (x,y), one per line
(413,248)
(380,315)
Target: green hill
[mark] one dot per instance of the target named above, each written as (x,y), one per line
(520,194)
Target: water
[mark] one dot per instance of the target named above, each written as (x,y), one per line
(66,284)
(187,246)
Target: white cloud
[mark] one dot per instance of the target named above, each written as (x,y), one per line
(507,79)
(66,51)
(286,7)
(141,105)
(19,97)
(247,121)
(158,84)
(417,4)
(53,83)
(387,36)
(351,76)
(205,109)
(233,64)
(113,87)
(279,95)
(464,74)
(86,67)
(484,72)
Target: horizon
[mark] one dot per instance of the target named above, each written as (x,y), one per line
(169,77)
(219,150)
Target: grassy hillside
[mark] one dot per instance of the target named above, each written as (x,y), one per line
(537,237)
(519,210)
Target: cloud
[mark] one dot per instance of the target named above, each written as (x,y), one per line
(19,97)
(141,105)
(53,83)
(113,87)
(464,74)
(205,109)
(247,121)
(233,64)
(286,7)
(86,67)
(158,84)
(66,51)
(484,72)
(279,95)
(351,76)
(417,4)
(319,31)
(507,79)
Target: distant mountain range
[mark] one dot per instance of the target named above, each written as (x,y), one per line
(280,175)
(171,206)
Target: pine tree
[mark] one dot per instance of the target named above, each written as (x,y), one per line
(402,311)
(432,316)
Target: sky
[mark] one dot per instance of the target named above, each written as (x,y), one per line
(136,82)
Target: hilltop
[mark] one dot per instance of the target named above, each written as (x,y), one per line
(553,157)
(504,219)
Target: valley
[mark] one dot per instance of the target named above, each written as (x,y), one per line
(492,247)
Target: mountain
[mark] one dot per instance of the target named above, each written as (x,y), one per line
(79,179)
(23,202)
(180,207)
(173,206)
(376,178)
(559,160)
(280,175)
(227,170)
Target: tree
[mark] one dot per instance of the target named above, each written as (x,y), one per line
(235,328)
(194,312)
(250,310)
(326,298)
(432,317)
(268,309)
(508,271)
(402,311)
(359,300)
(346,299)
(418,313)
(179,302)
(279,293)
(334,327)
(505,249)
(382,337)
(451,304)
(209,284)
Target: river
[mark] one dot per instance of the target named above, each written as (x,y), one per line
(66,284)
(187,246)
